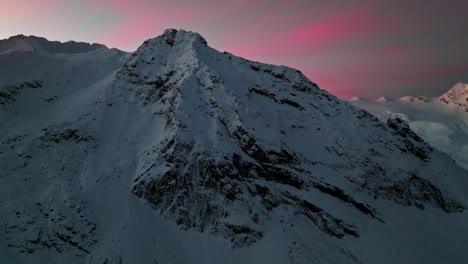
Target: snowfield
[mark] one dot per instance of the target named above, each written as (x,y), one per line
(178,153)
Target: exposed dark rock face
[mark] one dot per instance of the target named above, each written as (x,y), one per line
(59,234)
(416,191)
(339,194)
(169,36)
(8,93)
(239,235)
(413,143)
(276,100)
(66,135)
(422,99)
(326,222)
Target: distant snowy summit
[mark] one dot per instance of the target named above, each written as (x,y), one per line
(458,95)
(384,99)
(42,45)
(358,99)
(418,98)
(406,99)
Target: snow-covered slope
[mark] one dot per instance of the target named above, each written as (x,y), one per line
(63,68)
(189,155)
(457,95)
(443,121)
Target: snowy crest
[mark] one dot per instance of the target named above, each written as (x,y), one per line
(457,95)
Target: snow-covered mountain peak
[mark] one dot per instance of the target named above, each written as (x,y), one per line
(180,40)
(357,98)
(42,45)
(180,54)
(457,95)
(247,137)
(422,98)
(406,98)
(418,98)
(204,152)
(384,99)
(174,36)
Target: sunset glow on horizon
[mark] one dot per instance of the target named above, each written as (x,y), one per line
(353,48)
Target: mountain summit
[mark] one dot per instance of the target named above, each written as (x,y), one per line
(184,154)
(457,95)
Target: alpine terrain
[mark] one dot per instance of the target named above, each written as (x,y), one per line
(178,153)
(441,121)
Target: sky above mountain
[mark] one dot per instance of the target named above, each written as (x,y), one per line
(350,48)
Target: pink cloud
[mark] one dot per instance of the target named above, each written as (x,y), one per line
(374,79)
(119,5)
(316,36)
(397,50)
(342,26)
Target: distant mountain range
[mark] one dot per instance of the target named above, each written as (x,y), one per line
(441,121)
(456,96)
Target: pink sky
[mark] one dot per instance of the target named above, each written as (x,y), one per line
(362,47)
